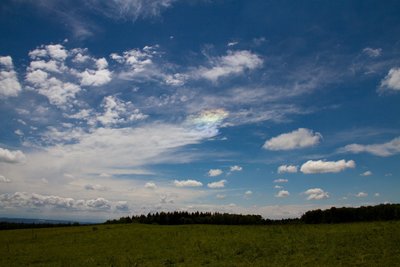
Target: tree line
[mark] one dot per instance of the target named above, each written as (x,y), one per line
(381,212)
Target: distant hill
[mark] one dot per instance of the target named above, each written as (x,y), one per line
(35,221)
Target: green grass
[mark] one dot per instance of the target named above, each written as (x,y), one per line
(357,244)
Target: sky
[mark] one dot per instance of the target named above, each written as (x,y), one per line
(121,107)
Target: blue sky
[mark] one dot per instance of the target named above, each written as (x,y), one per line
(133,106)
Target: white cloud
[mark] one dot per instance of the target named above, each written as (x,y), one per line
(234,63)
(98,77)
(361,194)
(391,81)
(383,150)
(56,52)
(150,185)
(287,169)
(9,84)
(9,156)
(371,52)
(316,194)
(219,184)
(6,62)
(278,187)
(95,77)
(32,200)
(366,173)
(282,193)
(248,193)
(138,64)
(187,183)
(118,111)
(236,168)
(220,196)
(320,166)
(214,172)
(377,195)
(3,179)
(299,138)
(57,91)
(50,66)
(280,180)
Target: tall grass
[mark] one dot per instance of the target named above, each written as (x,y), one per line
(357,244)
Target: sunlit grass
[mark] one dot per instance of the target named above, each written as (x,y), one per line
(358,244)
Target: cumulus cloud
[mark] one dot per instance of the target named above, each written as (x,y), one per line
(95,77)
(234,63)
(361,194)
(33,200)
(187,183)
(372,52)
(139,64)
(3,179)
(382,150)
(392,81)
(219,184)
(236,168)
(150,185)
(56,52)
(287,169)
(9,84)
(57,91)
(320,166)
(366,173)
(220,196)
(52,75)
(118,111)
(299,138)
(214,172)
(282,193)
(280,180)
(9,156)
(316,194)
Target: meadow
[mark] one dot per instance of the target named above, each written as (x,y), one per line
(351,244)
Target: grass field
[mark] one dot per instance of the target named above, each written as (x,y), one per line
(358,244)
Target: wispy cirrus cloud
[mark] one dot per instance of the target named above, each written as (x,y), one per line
(234,63)
(75,14)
